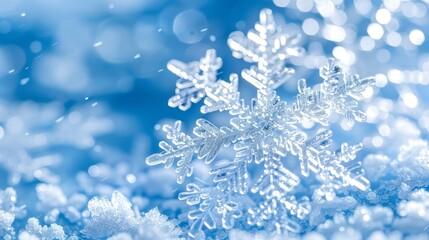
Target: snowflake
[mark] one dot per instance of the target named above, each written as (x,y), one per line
(262,134)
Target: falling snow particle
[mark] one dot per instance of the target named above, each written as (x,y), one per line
(60,119)
(97,44)
(24,81)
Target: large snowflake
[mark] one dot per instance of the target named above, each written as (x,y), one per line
(262,134)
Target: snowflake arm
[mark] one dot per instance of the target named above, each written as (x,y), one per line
(268,46)
(335,174)
(222,95)
(275,181)
(198,80)
(283,213)
(216,207)
(235,173)
(342,91)
(194,77)
(206,145)
(339,92)
(332,167)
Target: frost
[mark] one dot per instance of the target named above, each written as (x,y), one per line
(376,166)
(6,220)
(157,226)
(8,212)
(116,219)
(109,217)
(412,163)
(322,210)
(121,236)
(411,166)
(35,230)
(263,134)
(8,199)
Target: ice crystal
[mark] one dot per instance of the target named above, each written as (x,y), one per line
(262,134)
